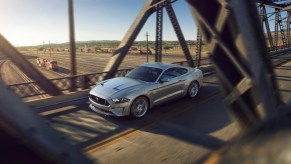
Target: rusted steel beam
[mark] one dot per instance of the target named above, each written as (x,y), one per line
(12,53)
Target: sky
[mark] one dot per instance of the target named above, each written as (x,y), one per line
(34,22)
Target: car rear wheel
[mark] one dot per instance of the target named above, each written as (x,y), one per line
(193,89)
(139,107)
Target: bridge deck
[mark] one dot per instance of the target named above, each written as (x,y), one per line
(179,131)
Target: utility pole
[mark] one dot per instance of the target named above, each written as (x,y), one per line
(43,46)
(147,37)
(73,62)
(50,49)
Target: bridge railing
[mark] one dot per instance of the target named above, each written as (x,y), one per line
(85,81)
(280,64)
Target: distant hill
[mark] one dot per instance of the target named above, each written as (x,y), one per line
(106,44)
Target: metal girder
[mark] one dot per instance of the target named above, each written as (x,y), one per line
(276,30)
(288,22)
(11,52)
(270,3)
(262,15)
(237,48)
(72,44)
(21,123)
(161,3)
(128,39)
(179,34)
(281,29)
(265,19)
(118,55)
(280,0)
(159,34)
(198,47)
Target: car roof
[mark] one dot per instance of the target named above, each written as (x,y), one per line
(160,65)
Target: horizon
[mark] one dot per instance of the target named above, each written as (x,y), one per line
(47,44)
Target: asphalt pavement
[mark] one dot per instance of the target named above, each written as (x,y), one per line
(182,131)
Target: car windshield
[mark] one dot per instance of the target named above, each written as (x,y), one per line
(144,73)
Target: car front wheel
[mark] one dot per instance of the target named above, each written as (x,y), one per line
(193,89)
(139,107)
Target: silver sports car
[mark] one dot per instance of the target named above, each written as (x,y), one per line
(142,88)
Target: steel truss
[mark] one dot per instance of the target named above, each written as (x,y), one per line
(12,53)
(159,34)
(179,33)
(276,30)
(237,47)
(149,8)
(198,47)
(31,134)
(288,22)
(265,20)
(279,22)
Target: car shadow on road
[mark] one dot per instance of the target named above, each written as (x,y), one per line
(203,121)
(83,127)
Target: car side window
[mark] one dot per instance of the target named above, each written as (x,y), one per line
(181,71)
(169,74)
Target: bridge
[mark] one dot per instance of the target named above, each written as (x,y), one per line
(246,77)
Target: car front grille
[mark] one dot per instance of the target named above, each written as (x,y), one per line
(102,110)
(99,100)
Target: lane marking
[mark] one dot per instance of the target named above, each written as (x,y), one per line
(49,112)
(132,131)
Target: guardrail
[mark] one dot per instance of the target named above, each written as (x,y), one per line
(274,54)
(279,58)
(31,89)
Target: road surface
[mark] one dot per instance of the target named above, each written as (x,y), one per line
(182,131)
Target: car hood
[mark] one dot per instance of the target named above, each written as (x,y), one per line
(113,86)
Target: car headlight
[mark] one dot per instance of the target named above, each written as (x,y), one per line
(120,100)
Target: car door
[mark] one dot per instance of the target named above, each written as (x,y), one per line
(170,86)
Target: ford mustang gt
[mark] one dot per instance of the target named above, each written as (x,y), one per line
(144,87)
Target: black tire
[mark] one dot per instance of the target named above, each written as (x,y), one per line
(139,107)
(193,89)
